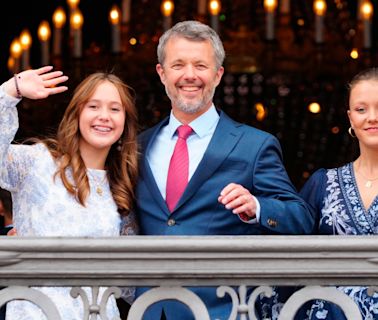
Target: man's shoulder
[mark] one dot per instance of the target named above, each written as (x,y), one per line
(249,130)
(147,132)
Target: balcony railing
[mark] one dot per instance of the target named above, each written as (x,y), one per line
(171,263)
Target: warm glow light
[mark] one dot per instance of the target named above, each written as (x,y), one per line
(167,8)
(25,39)
(314,107)
(59,17)
(73,3)
(335,130)
(261,113)
(133,41)
(115,15)
(11,63)
(354,53)
(44,31)
(15,48)
(367,10)
(300,22)
(270,5)
(214,7)
(77,20)
(320,7)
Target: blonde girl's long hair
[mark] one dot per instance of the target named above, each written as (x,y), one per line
(121,165)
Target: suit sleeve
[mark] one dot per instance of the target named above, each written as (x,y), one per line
(283,211)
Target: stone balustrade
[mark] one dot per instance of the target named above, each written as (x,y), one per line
(231,263)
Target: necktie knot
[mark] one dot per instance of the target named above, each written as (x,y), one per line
(184,131)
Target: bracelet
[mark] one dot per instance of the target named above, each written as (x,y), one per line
(19,95)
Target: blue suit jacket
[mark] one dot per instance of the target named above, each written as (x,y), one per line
(236,153)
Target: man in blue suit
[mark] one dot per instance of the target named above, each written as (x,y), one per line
(237,184)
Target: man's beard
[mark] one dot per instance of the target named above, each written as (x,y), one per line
(191,107)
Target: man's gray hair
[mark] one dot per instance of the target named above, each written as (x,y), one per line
(193,31)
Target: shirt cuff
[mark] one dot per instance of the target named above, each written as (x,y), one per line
(246,219)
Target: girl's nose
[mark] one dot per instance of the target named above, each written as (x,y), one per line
(104,113)
(373,115)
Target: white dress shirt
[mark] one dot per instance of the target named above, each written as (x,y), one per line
(161,151)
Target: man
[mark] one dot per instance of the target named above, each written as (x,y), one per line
(236,182)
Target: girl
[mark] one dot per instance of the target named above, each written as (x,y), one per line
(79,184)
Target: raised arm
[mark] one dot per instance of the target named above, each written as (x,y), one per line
(33,84)
(36,83)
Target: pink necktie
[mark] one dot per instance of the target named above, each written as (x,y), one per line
(178,171)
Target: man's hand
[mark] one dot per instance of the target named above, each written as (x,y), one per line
(238,199)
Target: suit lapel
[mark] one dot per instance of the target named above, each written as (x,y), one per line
(226,136)
(146,172)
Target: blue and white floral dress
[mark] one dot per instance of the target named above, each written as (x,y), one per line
(334,196)
(43,207)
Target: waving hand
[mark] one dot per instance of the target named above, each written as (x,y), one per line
(36,83)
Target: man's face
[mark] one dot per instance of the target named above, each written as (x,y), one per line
(190,76)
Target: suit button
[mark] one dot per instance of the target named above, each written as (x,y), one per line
(171,222)
(272,223)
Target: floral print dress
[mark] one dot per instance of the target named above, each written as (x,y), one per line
(334,196)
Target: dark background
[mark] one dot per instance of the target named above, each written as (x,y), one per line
(29,14)
(307,72)
(96,29)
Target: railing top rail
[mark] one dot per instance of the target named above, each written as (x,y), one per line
(195,243)
(144,260)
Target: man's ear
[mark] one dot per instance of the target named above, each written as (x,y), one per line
(219,75)
(160,71)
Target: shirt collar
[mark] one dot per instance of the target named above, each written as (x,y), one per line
(202,125)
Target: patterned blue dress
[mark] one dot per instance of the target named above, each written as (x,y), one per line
(334,196)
